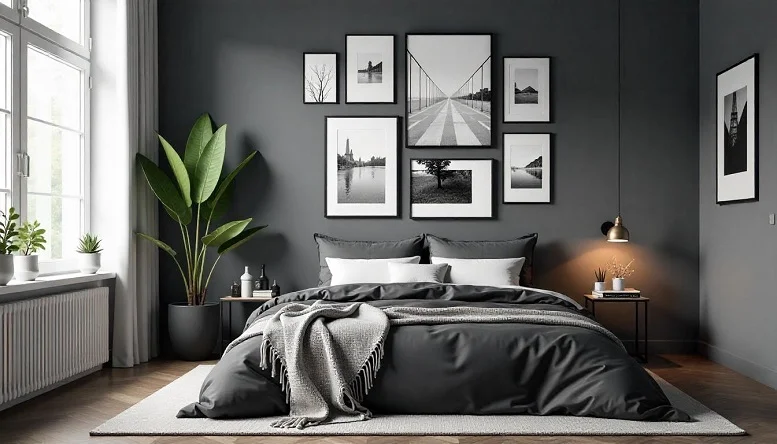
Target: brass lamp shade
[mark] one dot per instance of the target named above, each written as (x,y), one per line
(618,232)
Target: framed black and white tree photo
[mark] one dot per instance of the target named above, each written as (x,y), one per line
(526,168)
(526,89)
(370,73)
(320,77)
(362,167)
(451,189)
(737,132)
(448,90)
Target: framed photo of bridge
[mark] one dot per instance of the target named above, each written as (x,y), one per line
(526,89)
(370,70)
(448,88)
(526,168)
(737,132)
(362,167)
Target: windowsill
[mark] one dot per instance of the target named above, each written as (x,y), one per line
(54,281)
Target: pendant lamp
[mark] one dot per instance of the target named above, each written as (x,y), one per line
(617,232)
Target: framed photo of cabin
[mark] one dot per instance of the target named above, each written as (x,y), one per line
(737,132)
(370,69)
(526,168)
(451,188)
(362,167)
(526,89)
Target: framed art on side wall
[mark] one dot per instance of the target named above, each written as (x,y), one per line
(370,70)
(526,167)
(737,132)
(451,189)
(526,89)
(448,88)
(362,167)
(320,77)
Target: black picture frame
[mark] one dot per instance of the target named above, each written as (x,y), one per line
(551,167)
(394,71)
(550,88)
(492,187)
(409,85)
(304,78)
(755,108)
(398,210)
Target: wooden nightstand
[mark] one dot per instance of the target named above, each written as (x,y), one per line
(225,339)
(593,300)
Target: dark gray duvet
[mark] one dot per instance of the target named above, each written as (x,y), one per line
(470,368)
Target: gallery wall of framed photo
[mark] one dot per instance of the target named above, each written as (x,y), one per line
(449,94)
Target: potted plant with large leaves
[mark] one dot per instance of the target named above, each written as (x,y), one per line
(29,241)
(198,196)
(8,235)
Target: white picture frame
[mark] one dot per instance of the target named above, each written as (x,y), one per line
(370,69)
(319,80)
(522,77)
(526,168)
(471,197)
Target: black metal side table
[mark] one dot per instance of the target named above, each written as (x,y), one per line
(593,300)
(225,339)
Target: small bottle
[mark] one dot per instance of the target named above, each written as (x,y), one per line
(246,285)
(264,281)
(276,290)
(235,290)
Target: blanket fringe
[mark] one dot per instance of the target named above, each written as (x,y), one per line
(271,359)
(292,423)
(365,379)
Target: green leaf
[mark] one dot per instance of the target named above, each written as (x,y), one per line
(163,187)
(240,239)
(224,190)
(162,246)
(208,168)
(225,232)
(210,212)
(179,171)
(201,133)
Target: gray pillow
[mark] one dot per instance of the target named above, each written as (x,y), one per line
(345,249)
(521,247)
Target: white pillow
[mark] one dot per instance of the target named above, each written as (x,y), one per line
(364,271)
(491,272)
(417,272)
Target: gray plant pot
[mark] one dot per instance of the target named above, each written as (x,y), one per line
(194,330)
(6,268)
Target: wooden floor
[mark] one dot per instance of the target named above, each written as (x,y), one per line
(67,414)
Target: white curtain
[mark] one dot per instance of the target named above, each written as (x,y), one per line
(124,122)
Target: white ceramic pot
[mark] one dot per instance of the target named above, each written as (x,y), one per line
(599,286)
(25,268)
(618,284)
(89,263)
(6,268)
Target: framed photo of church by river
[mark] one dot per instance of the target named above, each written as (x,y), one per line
(448,88)
(526,168)
(362,167)
(737,132)
(370,69)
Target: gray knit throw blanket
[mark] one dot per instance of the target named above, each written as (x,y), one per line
(327,355)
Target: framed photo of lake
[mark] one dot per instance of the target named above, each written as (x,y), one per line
(319,83)
(370,72)
(526,89)
(449,89)
(451,189)
(737,132)
(526,168)
(362,167)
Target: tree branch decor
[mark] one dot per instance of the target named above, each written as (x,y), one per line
(199,188)
(620,270)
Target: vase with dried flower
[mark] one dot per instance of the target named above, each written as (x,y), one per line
(619,273)
(600,274)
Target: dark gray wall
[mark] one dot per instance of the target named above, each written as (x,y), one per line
(738,247)
(242,62)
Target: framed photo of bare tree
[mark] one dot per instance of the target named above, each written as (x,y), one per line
(451,188)
(319,83)
(370,69)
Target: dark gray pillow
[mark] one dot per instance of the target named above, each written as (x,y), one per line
(521,247)
(345,249)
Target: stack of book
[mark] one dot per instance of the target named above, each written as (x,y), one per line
(626,293)
(262,294)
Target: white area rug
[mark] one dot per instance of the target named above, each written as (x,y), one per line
(155,415)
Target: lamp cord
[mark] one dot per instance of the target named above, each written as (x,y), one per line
(620,75)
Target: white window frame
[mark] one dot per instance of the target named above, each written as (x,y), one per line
(17,14)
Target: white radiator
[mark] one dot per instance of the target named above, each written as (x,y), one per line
(47,340)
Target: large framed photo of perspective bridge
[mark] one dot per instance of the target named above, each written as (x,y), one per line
(448,89)
(362,167)
(737,132)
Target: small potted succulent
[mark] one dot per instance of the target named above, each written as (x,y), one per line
(29,241)
(619,273)
(89,253)
(600,274)
(7,235)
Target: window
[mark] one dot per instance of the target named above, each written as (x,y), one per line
(44,120)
